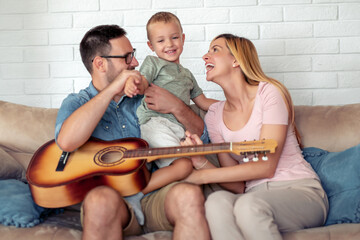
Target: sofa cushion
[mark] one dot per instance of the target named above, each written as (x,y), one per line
(9,167)
(339,175)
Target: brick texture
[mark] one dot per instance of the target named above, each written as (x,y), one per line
(312,46)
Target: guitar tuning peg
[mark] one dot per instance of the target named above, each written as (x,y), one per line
(255,158)
(265,158)
(245,159)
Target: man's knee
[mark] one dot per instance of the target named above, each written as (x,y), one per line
(186,192)
(183,201)
(103,196)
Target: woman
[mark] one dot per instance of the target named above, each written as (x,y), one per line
(264,198)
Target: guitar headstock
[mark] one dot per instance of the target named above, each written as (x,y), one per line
(254,147)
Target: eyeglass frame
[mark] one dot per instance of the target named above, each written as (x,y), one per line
(132,54)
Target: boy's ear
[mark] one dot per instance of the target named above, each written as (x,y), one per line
(183,37)
(150,45)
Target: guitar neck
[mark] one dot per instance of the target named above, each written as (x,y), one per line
(152,154)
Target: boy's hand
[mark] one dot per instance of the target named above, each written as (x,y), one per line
(135,86)
(130,88)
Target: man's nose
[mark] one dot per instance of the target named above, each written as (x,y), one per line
(134,62)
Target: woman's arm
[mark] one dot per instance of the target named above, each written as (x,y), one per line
(231,174)
(200,162)
(251,170)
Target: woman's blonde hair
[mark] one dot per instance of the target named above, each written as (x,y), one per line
(246,55)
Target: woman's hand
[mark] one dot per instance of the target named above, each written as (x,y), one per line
(190,140)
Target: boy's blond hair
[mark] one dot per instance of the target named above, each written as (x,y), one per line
(165,17)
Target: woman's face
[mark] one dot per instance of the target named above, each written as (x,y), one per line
(218,60)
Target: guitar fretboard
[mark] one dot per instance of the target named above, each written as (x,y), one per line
(181,150)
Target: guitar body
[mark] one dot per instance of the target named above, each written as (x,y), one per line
(95,163)
(59,179)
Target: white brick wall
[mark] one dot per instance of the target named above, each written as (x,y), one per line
(312,46)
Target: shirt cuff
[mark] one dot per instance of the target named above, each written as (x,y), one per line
(205,136)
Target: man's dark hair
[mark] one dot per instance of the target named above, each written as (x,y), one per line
(96,43)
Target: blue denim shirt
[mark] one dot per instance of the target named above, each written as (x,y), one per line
(119,120)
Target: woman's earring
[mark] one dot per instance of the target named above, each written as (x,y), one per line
(234,65)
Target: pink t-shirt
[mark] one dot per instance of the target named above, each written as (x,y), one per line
(269,108)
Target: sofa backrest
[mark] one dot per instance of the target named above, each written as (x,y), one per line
(332,128)
(24,129)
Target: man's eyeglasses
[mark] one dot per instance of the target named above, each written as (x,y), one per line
(128,57)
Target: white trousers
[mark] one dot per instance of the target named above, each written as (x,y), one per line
(160,132)
(266,210)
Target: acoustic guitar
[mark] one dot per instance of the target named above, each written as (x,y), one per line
(59,179)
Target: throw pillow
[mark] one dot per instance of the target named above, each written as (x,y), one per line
(17,206)
(339,173)
(9,167)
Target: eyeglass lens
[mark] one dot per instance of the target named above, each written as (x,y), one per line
(129,57)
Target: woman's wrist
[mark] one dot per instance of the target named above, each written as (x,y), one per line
(202,165)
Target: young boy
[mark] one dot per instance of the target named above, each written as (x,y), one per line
(166,39)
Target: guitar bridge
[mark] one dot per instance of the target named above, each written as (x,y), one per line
(62,161)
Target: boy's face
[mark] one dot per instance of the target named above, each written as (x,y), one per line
(167,40)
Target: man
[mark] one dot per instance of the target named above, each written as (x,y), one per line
(101,110)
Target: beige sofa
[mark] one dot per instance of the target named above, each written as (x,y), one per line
(24,129)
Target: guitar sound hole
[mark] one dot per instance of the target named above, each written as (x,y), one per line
(111,157)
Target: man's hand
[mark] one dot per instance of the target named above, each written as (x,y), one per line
(135,86)
(142,85)
(161,100)
(129,79)
(130,88)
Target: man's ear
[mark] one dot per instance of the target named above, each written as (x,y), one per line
(99,63)
(183,38)
(150,46)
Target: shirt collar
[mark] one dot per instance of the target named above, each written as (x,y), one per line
(93,91)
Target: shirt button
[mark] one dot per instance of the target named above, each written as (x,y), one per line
(123,126)
(107,127)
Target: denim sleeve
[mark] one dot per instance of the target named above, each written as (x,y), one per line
(205,136)
(68,106)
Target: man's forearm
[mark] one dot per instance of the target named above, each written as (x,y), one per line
(191,121)
(78,127)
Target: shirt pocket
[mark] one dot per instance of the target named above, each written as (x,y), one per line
(106,125)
